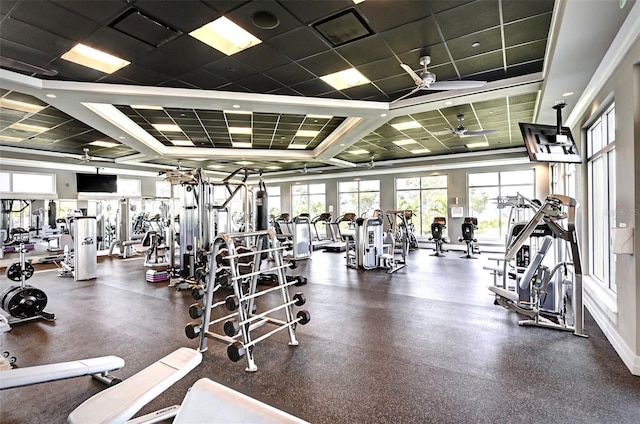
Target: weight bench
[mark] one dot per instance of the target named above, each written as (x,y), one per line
(99,368)
(119,403)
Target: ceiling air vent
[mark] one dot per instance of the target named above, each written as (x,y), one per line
(343,28)
(144,28)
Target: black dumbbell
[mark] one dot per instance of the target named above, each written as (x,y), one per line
(196,310)
(192,330)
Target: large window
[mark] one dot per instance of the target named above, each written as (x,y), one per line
(308,198)
(18,182)
(425,196)
(129,187)
(485,189)
(602,188)
(359,197)
(274,201)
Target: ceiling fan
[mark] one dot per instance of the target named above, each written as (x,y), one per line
(86,157)
(462,131)
(372,164)
(306,171)
(427,80)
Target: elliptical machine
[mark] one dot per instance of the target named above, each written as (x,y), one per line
(22,302)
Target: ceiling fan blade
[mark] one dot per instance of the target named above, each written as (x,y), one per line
(456,85)
(97,159)
(408,94)
(412,73)
(482,132)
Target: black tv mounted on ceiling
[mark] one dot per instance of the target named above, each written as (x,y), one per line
(96,183)
(548,143)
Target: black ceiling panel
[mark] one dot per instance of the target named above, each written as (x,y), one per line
(136,24)
(514,10)
(476,64)
(314,87)
(366,50)
(117,44)
(324,63)
(190,51)
(102,12)
(412,36)
(33,37)
(299,43)
(248,16)
(469,18)
(536,28)
(204,79)
(165,63)
(381,18)
(463,47)
(289,74)
(24,54)
(262,57)
(526,52)
(230,69)
(54,19)
(142,75)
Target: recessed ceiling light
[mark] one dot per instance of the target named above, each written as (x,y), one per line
(320,116)
(236,106)
(401,126)
(181,142)
(418,151)
(21,106)
(29,128)
(404,142)
(95,59)
(121,137)
(167,127)
(239,130)
(307,133)
(274,167)
(480,144)
(567,94)
(475,44)
(9,138)
(341,144)
(345,79)
(358,152)
(216,166)
(382,115)
(51,95)
(146,107)
(297,146)
(241,145)
(448,103)
(357,1)
(244,163)
(102,143)
(238,112)
(197,159)
(225,36)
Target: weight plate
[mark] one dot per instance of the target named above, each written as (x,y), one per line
(6,293)
(28,270)
(13,272)
(25,302)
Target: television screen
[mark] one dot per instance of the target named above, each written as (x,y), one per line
(544,144)
(96,183)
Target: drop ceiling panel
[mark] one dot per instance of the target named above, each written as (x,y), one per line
(186,19)
(53,18)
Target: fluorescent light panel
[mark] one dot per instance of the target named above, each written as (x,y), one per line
(9,138)
(418,151)
(216,166)
(480,144)
(320,116)
(286,160)
(146,107)
(29,128)
(167,127)
(401,126)
(358,152)
(241,145)
(274,167)
(244,163)
(307,133)
(297,146)
(95,59)
(181,142)
(404,142)
(345,79)
(21,106)
(239,130)
(238,112)
(225,36)
(101,143)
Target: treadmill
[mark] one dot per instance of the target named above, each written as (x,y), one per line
(320,241)
(342,237)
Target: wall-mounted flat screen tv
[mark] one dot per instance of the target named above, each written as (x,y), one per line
(544,144)
(96,183)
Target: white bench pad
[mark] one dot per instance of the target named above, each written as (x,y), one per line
(119,403)
(209,402)
(43,373)
(507,294)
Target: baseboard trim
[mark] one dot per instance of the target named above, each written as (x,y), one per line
(630,359)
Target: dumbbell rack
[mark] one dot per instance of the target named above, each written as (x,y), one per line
(229,253)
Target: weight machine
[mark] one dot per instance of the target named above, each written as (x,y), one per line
(567,301)
(372,247)
(22,302)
